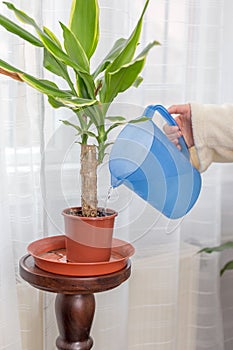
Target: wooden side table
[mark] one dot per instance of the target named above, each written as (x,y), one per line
(75,300)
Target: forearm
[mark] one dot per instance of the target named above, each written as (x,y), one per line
(213,133)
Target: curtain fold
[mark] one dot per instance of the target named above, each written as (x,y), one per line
(175,299)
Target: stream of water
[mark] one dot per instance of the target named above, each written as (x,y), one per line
(107,199)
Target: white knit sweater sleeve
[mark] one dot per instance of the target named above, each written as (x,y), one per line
(212,133)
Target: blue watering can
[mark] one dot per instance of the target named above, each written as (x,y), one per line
(146,161)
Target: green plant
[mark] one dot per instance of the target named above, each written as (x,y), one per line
(89,94)
(220,248)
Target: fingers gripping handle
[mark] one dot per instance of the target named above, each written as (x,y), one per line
(149,112)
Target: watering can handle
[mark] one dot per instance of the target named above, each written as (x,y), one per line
(149,112)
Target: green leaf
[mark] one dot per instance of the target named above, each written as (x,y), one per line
(89,133)
(44,86)
(48,40)
(74,49)
(113,53)
(60,55)
(126,76)
(82,120)
(116,119)
(132,121)
(22,16)
(56,67)
(81,130)
(75,102)
(76,127)
(227,266)
(70,102)
(95,115)
(52,36)
(120,80)
(113,126)
(22,33)
(49,88)
(219,248)
(86,85)
(84,23)
(127,53)
(82,87)
(54,103)
(147,49)
(9,67)
(144,52)
(56,51)
(139,120)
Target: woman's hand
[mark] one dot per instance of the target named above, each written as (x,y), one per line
(185,125)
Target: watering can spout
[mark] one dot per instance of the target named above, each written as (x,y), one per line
(115,182)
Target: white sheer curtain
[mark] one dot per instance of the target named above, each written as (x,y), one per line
(174,299)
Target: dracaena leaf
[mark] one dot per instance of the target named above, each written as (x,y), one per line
(82,87)
(53,64)
(147,49)
(132,121)
(84,23)
(48,40)
(56,51)
(56,67)
(76,127)
(75,102)
(113,53)
(44,86)
(22,16)
(65,59)
(49,88)
(116,119)
(50,43)
(130,46)
(227,266)
(22,33)
(89,133)
(113,126)
(82,120)
(9,67)
(55,103)
(138,120)
(120,80)
(126,76)
(69,101)
(219,248)
(74,48)
(87,83)
(52,36)
(94,114)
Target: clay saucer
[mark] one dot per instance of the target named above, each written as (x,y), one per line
(50,255)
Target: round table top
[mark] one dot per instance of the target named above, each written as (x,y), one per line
(51,282)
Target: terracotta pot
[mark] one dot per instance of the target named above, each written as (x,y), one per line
(88,239)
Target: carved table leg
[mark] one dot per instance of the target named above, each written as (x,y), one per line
(74,319)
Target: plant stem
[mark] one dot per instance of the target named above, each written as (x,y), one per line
(89,180)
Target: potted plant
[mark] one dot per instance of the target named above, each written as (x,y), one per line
(89,95)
